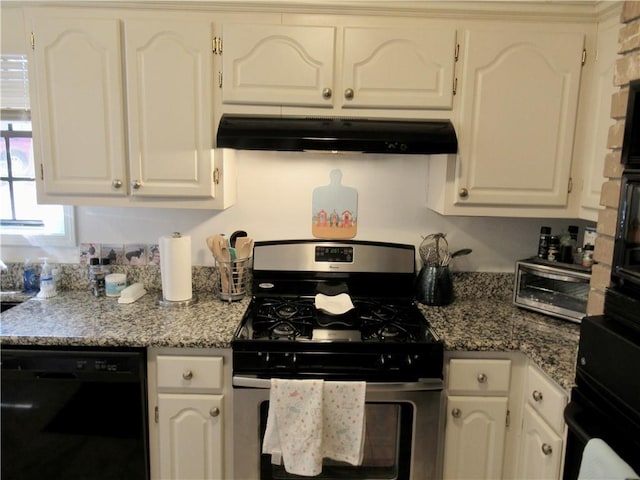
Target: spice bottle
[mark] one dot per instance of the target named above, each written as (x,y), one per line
(543,244)
(587,256)
(554,248)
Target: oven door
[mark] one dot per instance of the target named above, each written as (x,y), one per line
(402,439)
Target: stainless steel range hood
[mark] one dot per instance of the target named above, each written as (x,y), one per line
(293,133)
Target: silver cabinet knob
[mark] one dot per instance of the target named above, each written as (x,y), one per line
(348,93)
(136,185)
(117,183)
(546,449)
(537,396)
(456,413)
(187,374)
(326,93)
(214,412)
(464,193)
(482,378)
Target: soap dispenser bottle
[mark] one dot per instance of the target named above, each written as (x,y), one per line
(47,284)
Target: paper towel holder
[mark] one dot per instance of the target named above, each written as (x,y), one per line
(176,303)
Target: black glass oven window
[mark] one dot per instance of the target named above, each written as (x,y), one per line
(387,447)
(569,295)
(630,155)
(632,234)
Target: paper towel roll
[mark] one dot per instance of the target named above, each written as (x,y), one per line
(175,267)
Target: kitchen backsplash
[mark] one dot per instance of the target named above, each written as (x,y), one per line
(73,276)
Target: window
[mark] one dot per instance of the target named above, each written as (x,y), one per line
(22,220)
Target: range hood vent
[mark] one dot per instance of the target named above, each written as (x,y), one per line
(265,132)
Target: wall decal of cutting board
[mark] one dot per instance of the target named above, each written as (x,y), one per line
(335,209)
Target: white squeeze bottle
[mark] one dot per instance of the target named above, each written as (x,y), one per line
(47,284)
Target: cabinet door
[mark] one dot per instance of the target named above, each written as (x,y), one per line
(474,437)
(78,104)
(541,448)
(278,65)
(169,98)
(190,428)
(397,68)
(595,112)
(519,106)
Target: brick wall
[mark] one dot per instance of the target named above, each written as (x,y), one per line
(627,69)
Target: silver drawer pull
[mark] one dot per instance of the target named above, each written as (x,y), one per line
(456,413)
(214,412)
(187,375)
(546,449)
(537,396)
(482,378)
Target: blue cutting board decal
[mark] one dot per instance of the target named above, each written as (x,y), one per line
(334,209)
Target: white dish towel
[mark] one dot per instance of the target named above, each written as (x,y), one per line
(600,462)
(343,429)
(312,419)
(294,425)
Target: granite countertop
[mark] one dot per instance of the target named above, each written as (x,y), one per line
(77,318)
(80,319)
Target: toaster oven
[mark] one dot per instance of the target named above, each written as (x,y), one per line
(557,289)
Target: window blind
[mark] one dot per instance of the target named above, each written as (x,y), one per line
(14,88)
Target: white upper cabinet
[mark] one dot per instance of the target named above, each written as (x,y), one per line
(123,109)
(277,64)
(338,67)
(517,121)
(78,105)
(595,116)
(403,68)
(169,103)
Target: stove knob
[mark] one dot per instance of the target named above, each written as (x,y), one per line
(409,360)
(294,359)
(264,357)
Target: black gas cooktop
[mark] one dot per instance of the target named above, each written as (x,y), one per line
(384,337)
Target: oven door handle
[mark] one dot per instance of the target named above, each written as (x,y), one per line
(584,426)
(424,384)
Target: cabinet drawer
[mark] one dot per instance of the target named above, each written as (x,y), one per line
(546,398)
(479,376)
(189,372)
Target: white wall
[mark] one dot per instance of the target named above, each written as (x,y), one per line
(274,202)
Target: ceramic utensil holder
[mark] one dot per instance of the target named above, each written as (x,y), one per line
(232,279)
(434,285)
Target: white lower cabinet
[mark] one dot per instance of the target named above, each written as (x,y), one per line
(475,433)
(541,452)
(477,414)
(543,428)
(504,419)
(189,400)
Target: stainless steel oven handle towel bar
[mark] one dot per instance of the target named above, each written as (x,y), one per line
(427,384)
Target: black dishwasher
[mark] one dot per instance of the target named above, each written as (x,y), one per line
(74,413)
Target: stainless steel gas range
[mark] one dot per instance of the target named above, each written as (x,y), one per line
(341,310)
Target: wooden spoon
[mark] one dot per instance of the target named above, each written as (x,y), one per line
(244,248)
(225,266)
